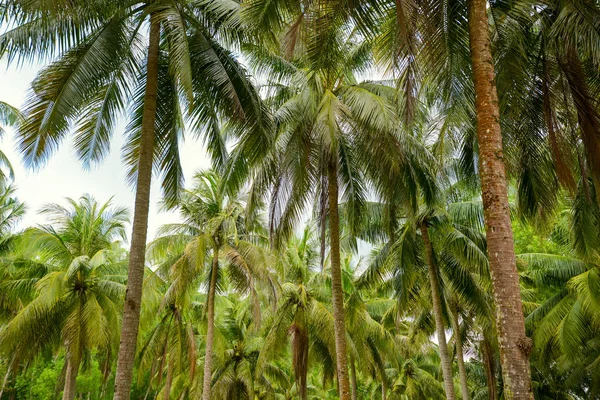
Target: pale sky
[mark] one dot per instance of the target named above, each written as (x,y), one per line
(63,176)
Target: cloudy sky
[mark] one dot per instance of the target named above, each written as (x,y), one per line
(63,176)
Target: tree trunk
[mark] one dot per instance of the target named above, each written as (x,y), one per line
(135,276)
(515,346)
(70,381)
(300,356)
(353,384)
(490,373)
(169,381)
(6,379)
(210,329)
(462,371)
(337,292)
(436,298)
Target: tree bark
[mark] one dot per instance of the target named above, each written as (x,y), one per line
(515,346)
(337,291)
(462,371)
(210,329)
(300,356)
(135,276)
(353,384)
(70,381)
(490,373)
(436,298)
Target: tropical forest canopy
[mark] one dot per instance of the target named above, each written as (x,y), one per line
(403,201)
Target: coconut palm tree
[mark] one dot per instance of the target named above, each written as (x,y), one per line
(76,301)
(213,223)
(11,212)
(345,131)
(301,315)
(103,67)
(9,117)
(436,51)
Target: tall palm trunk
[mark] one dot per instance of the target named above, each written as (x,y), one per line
(437,314)
(70,388)
(353,383)
(337,292)
(490,373)
(135,276)
(300,358)
(210,329)
(462,371)
(515,346)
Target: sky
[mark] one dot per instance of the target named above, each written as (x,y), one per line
(63,176)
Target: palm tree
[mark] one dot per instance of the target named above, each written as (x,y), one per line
(11,212)
(301,313)
(100,71)
(334,134)
(9,116)
(170,342)
(234,376)
(436,50)
(213,222)
(77,299)
(515,346)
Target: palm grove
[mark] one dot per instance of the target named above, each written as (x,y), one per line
(402,201)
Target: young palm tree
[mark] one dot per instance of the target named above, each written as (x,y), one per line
(169,348)
(9,116)
(77,300)
(102,68)
(301,315)
(213,222)
(11,212)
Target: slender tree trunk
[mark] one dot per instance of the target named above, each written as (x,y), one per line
(105,373)
(70,381)
(337,292)
(6,378)
(490,373)
(515,346)
(437,313)
(462,371)
(300,356)
(353,384)
(169,380)
(135,276)
(210,330)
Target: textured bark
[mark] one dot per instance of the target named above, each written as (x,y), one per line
(515,346)
(210,329)
(70,388)
(490,373)
(436,298)
(300,359)
(462,371)
(135,276)
(353,384)
(337,292)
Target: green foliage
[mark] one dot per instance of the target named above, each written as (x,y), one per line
(290,97)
